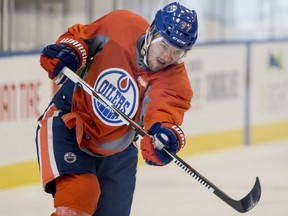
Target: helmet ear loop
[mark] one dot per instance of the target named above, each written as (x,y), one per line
(147,42)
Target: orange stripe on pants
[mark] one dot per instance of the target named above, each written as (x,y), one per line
(48,168)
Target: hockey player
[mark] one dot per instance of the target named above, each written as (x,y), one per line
(86,154)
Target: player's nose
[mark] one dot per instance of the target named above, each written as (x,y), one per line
(167,56)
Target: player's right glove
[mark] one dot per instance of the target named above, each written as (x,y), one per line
(70,52)
(169,136)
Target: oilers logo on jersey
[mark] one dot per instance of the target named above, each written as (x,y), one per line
(116,85)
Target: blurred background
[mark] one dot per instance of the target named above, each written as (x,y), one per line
(30,24)
(238,70)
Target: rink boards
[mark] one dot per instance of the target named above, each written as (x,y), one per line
(240,98)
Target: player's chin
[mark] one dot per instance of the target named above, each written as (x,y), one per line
(157,66)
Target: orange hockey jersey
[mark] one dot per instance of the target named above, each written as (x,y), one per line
(113,70)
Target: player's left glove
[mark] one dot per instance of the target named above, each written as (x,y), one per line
(169,135)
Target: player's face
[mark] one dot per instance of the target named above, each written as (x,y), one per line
(161,54)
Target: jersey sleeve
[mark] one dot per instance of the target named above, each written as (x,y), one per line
(168,97)
(113,26)
(87,36)
(77,30)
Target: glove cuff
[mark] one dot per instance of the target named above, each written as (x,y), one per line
(76,44)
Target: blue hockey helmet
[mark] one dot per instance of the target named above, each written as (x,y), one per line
(177,24)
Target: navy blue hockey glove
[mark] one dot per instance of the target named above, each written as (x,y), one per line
(69,51)
(56,56)
(169,135)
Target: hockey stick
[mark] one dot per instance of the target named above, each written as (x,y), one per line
(243,205)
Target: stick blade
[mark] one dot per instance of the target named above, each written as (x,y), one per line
(250,200)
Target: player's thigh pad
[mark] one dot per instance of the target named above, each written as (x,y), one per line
(78,191)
